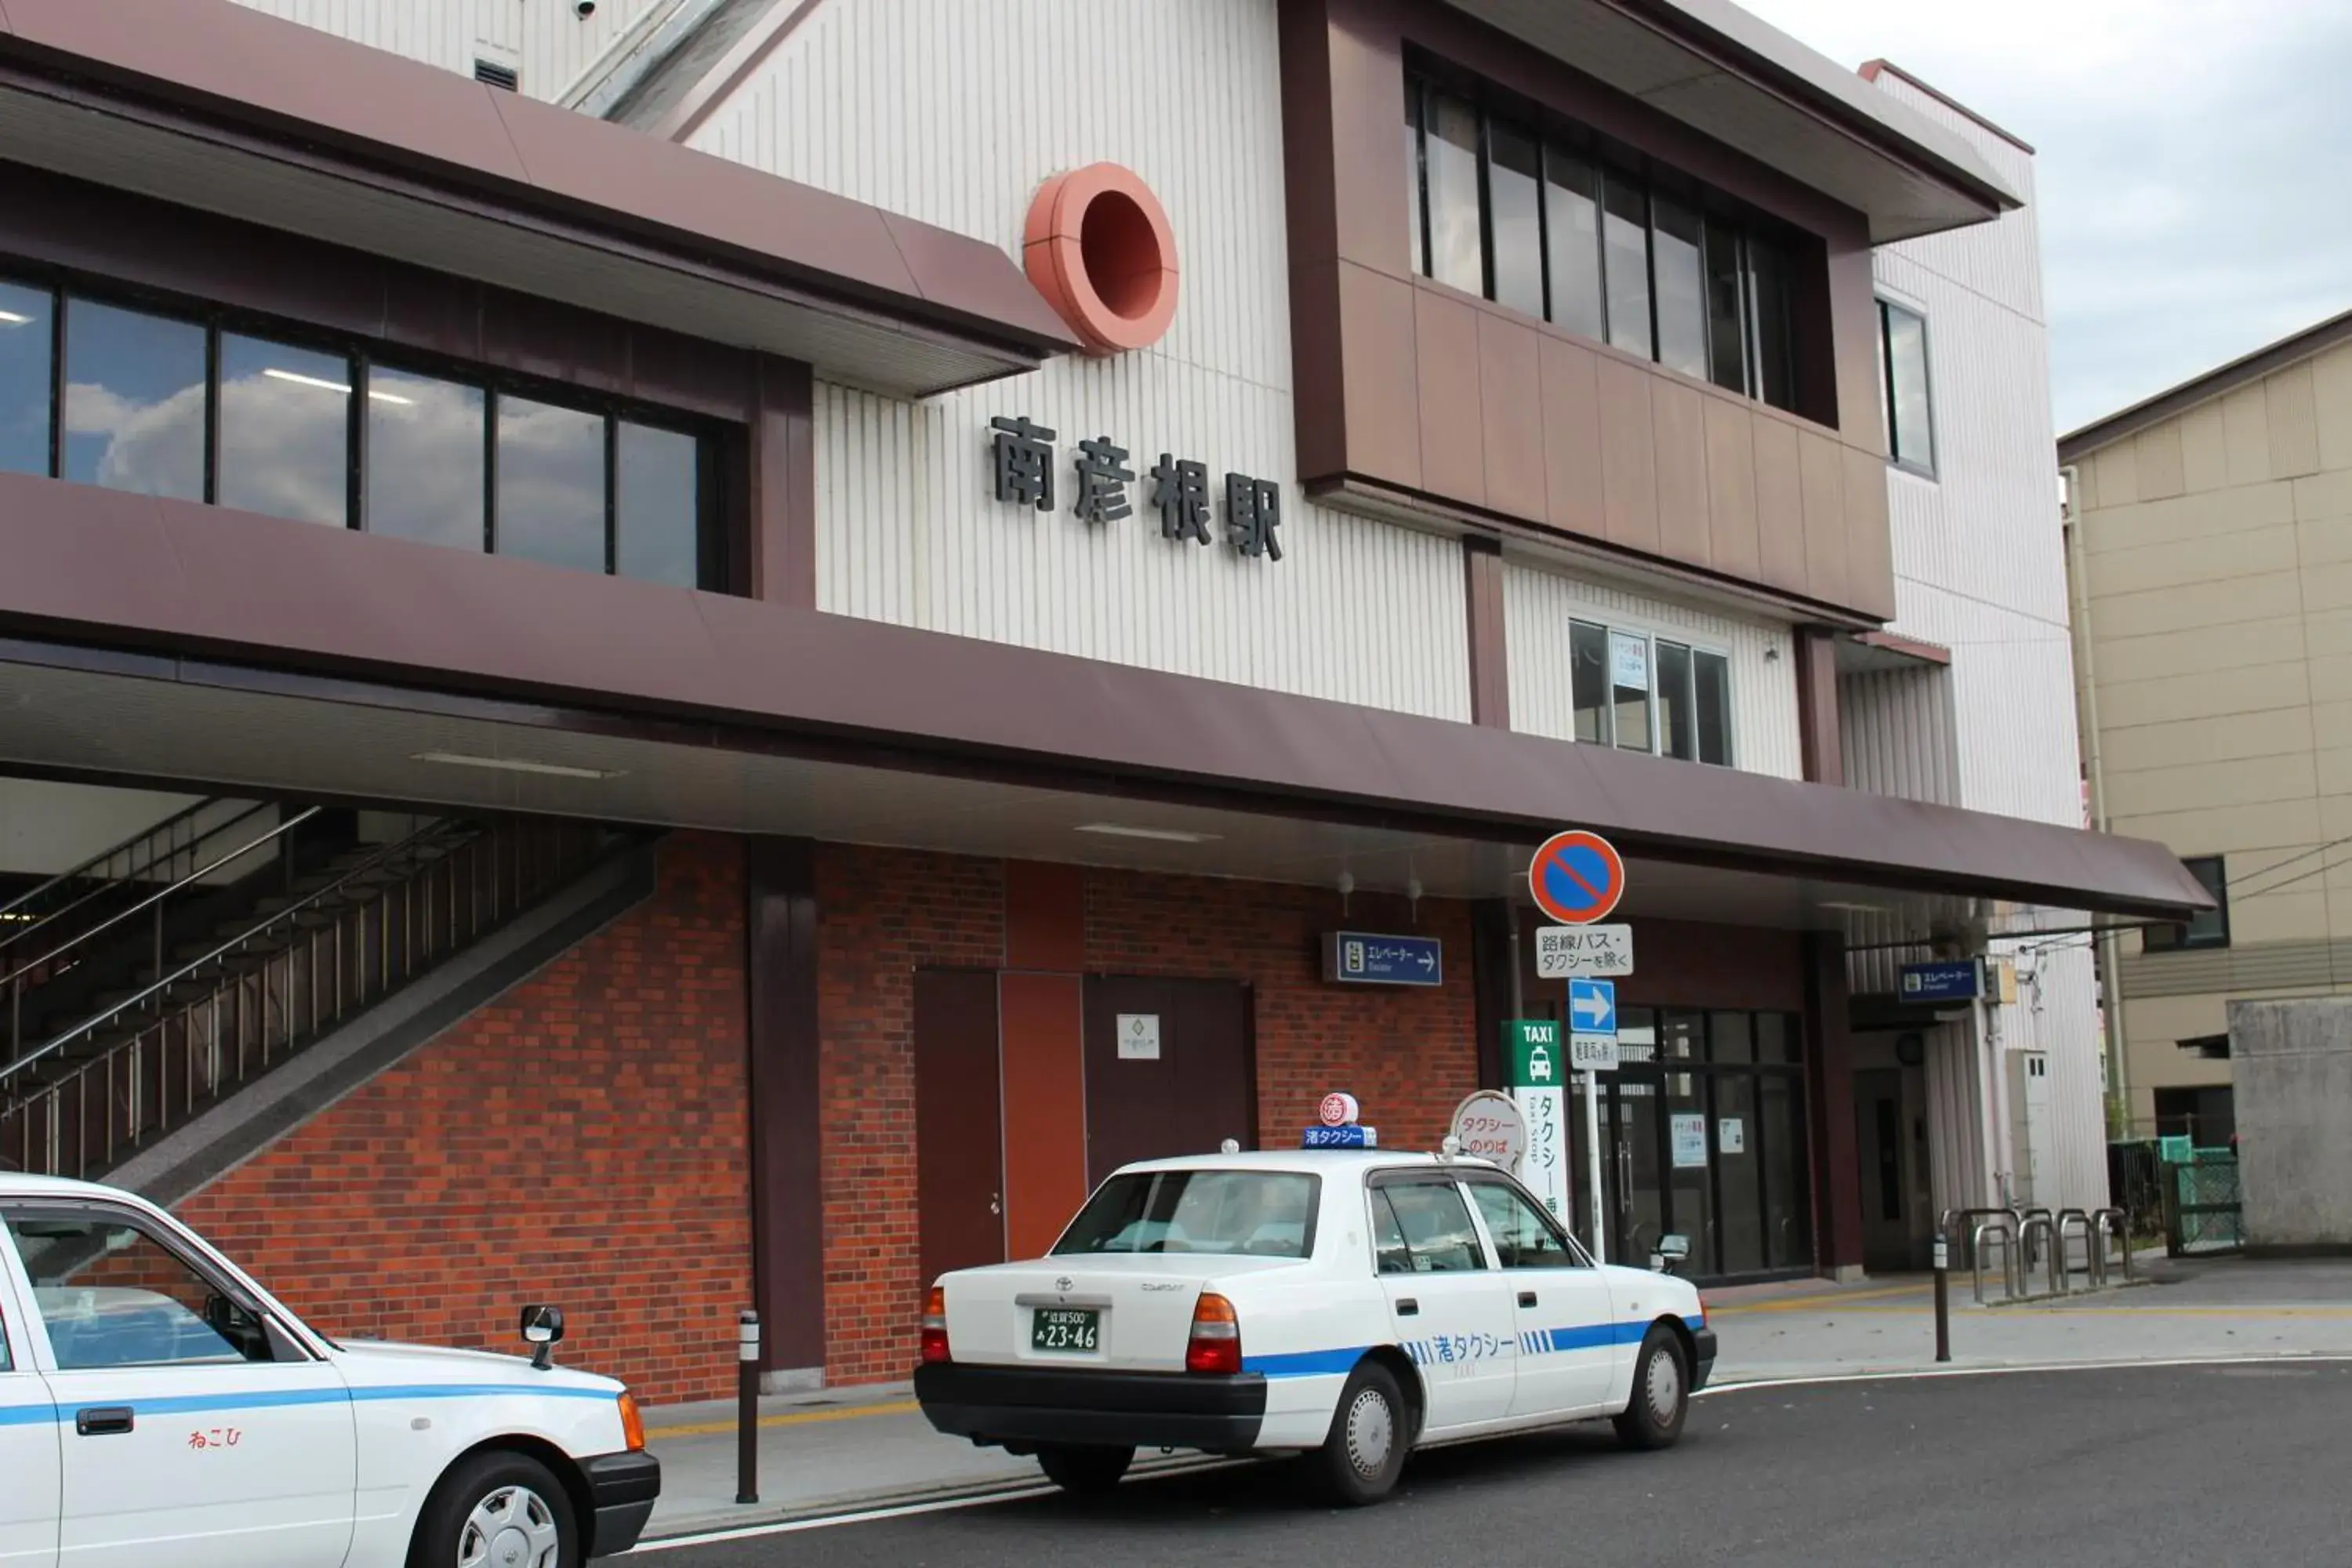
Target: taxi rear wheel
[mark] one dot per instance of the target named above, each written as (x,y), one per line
(1077,1468)
(497,1510)
(1359,1463)
(1660,1393)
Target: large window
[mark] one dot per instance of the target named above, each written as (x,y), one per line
(1542,224)
(180,404)
(1641,693)
(1902,373)
(2210,929)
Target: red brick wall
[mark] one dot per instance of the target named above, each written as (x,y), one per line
(580,1140)
(882,915)
(1407,1055)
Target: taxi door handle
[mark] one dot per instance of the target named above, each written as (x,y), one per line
(1526,1298)
(1408,1307)
(103,1421)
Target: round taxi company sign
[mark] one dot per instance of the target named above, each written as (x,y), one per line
(1339,1110)
(1576,878)
(1491,1126)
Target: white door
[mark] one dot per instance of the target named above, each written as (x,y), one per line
(28,1447)
(1565,1320)
(1451,1307)
(190,1431)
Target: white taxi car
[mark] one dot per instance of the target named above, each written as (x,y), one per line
(1351,1306)
(158,1407)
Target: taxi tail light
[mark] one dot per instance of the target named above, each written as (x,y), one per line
(935,1325)
(1216,1342)
(633,1422)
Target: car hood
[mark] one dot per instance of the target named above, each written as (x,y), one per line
(381,1361)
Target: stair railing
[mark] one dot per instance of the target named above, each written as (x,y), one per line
(246,1004)
(26,973)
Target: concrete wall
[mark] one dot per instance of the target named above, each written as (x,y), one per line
(2293,1063)
(2216,565)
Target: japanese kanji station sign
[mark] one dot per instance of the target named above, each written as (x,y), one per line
(1021,456)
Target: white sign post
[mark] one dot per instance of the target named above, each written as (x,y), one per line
(1592,1047)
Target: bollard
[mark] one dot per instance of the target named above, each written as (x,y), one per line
(747,1407)
(1943,1299)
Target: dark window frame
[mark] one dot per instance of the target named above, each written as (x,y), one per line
(1549,132)
(2205,932)
(1909,462)
(1695,650)
(360,356)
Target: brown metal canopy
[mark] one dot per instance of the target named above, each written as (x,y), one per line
(210,104)
(615,656)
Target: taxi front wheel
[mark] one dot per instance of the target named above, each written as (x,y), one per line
(497,1510)
(1359,1463)
(1660,1393)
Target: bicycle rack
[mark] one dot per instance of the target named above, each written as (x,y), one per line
(2025,1231)
(2104,1223)
(2061,1269)
(2038,1222)
(2002,1227)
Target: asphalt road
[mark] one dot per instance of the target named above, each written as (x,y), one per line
(2088,1469)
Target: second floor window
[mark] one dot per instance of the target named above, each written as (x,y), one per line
(1641,693)
(1541,224)
(103,392)
(1903,375)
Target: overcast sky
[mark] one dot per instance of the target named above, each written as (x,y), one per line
(2195,167)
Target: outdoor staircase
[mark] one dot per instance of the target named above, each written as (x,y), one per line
(160,978)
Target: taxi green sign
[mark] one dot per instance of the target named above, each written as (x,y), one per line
(1535,1056)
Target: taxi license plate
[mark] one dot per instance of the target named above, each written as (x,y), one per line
(1065,1328)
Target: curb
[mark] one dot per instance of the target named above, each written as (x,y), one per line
(752,1515)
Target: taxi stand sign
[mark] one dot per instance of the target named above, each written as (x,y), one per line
(1535,1071)
(1576,878)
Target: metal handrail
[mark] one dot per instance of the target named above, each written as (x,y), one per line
(1955,1222)
(159,894)
(165,983)
(2026,1214)
(104,856)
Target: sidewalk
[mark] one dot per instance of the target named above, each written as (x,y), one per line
(867,1447)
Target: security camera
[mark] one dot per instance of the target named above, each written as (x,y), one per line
(583,9)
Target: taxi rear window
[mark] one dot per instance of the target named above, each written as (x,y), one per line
(1244,1214)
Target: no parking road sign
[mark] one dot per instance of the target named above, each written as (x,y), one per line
(1576,877)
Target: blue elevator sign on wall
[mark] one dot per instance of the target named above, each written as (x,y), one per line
(1364,958)
(1959,981)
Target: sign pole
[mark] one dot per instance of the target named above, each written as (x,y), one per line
(1592,1157)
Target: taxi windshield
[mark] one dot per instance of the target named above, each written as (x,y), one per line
(1253,1213)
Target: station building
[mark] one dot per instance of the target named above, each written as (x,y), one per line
(631,648)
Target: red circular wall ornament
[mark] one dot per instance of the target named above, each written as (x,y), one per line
(1099,246)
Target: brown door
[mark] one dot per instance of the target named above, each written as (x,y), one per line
(1180,1082)
(958,1121)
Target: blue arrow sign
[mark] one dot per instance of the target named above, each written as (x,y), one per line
(1592,1006)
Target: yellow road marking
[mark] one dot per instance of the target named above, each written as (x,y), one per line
(798,1418)
(1805,1304)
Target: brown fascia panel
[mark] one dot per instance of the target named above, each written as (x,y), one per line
(293,85)
(126,571)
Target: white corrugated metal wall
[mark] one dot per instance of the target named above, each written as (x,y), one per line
(546,40)
(943,111)
(1538,605)
(1979,568)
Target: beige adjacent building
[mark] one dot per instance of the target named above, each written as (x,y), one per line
(2210,545)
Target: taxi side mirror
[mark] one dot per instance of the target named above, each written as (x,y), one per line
(1670,1254)
(542,1330)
